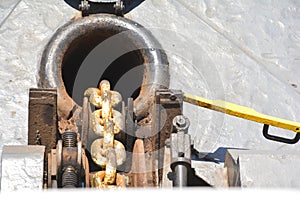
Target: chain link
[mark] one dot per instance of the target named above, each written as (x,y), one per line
(106,151)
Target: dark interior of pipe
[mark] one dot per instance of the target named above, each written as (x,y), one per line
(78,52)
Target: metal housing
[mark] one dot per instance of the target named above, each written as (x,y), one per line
(77,38)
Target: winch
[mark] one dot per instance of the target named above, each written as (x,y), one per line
(103,131)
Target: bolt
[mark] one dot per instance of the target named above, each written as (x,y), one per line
(170,176)
(84,5)
(180,121)
(173,97)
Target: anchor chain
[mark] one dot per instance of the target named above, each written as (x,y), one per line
(106,152)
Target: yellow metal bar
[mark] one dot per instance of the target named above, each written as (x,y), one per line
(242,112)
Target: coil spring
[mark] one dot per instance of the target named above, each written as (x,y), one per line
(69,139)
(69,178)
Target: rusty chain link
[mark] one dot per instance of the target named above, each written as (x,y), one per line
(106,151)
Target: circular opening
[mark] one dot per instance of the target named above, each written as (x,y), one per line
(85,56)
(78,57)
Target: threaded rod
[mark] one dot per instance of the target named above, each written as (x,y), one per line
(69,139)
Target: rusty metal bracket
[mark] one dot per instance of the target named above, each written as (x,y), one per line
(42,119)
(168,104)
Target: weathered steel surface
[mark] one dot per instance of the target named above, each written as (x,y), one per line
(168,104)
(42,123)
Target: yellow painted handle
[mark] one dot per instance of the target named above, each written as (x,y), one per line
(242,112)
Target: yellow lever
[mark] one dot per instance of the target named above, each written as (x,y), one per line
(242,112)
